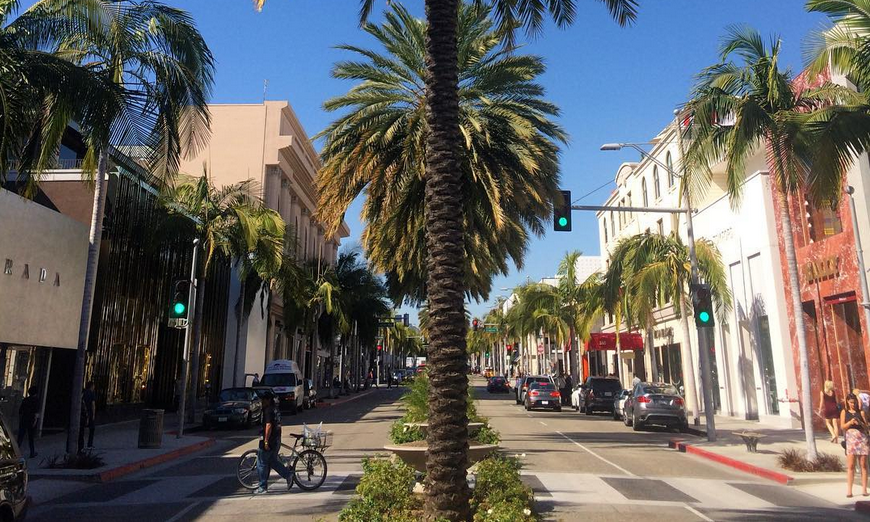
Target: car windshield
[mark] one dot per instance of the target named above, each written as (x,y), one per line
(497,380)
(663,389)
(235,395)
(542,386)
(533,380)
(279,379)
(608,385)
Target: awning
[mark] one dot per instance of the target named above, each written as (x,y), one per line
(607,341)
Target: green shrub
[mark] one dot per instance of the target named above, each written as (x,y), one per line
(498,488)
(384,493)
(416,399)
(400,433)
(487,435)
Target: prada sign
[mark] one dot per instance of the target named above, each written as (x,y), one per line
(25,272)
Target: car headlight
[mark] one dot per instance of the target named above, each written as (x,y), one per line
(240,410)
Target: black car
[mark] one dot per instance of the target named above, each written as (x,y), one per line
(13,477)
(235,407)
(497,384)
(309,400)
(596,394)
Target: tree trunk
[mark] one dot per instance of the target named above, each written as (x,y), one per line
(94,238)
(798,313)
(691,391)
(239,314)
(447,457)
(195,349)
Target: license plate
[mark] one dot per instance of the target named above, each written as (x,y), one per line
(608,394)
(222,419)
(545,403)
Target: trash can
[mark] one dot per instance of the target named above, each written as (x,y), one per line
(151,429)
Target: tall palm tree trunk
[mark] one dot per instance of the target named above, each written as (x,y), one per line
(94,237)
(798,313)
(690,390)
(194,350)
(447,457)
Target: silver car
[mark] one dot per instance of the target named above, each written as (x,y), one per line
(655,403)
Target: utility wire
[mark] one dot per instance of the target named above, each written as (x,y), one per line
(584,196)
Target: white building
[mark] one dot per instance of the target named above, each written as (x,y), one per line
(751,358)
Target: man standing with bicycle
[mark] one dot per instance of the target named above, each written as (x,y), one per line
(270,444)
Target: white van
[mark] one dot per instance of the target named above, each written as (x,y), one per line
(285,379)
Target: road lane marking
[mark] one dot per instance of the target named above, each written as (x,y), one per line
(617,466)
(183,512)
(542,422)
(697,513)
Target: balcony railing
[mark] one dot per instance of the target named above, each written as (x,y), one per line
(58,164)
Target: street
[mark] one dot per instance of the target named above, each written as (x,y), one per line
(580,467)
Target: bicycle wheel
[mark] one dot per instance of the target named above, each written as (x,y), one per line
(309,470)
(247,470)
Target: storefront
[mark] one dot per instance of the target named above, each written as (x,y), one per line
(836,332)
(603,356)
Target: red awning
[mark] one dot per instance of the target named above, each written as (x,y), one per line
(607,341)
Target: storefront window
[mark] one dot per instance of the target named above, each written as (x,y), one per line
(767,370)
(821,222)
(847,339)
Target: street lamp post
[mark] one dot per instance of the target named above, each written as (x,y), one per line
(703,332)
(862,271)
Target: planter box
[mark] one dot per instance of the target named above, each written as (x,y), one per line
(414,453)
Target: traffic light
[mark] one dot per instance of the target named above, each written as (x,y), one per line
(380,347)
(180,296)
(508,348)
(562,213)
(474,324)
(702,302)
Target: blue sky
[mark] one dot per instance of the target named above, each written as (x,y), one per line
(612,84)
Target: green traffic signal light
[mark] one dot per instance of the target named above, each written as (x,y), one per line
(563,221)
(178,308)
(704,317)
(562,213)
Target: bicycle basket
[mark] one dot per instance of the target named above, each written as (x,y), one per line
(318,440)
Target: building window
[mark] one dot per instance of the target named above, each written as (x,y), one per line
(670,163)
(612,225)
(821,222)
(660,226)
(605,231)
(656,189)
(643,190)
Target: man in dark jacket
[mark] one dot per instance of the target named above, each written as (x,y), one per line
(28,418)
(89,406)
(270,443)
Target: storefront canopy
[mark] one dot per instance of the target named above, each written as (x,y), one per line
(607,341)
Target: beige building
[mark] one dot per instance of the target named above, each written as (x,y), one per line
(266,143)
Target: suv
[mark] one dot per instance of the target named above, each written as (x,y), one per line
(597,393)
(527,381)
(655,403)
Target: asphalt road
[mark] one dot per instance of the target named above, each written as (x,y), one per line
(593,468)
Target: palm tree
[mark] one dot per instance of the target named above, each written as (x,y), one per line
(509,158)
(655,270)
(157,59)
(810,141)
(230,221)
(448,493)
(845,47)
(40,93)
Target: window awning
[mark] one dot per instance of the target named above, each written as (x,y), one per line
(607,341)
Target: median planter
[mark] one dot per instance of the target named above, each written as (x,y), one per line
(473,427)
(414,453)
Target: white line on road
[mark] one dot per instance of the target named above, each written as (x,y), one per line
(620,468)
(183,512)
(698,514)
(542,422)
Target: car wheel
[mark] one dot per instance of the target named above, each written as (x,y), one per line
(588,410)
(635,425)
(626,419)
(558,408)
(528,405)
(294,408)
(248,421)
(684,427)
(615,414)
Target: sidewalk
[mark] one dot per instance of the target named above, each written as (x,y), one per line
(117,444)
(730,450)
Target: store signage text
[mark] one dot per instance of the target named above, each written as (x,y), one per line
(42,276)
(663,333)
(822,269)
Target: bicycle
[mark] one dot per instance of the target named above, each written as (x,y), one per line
(309,476)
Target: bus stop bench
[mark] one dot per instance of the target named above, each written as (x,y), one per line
(750,438)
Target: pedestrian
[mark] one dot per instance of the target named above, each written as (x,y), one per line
(270,443)
(372,379)
(854,425)
(336,383)
(566,392)
(635,381)
(256,381)
(389,378)
(829,410)
(89,404)
(28,418)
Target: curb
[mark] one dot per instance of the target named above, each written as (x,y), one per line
(126,469)
(862,506)
(685,447)
(342,401)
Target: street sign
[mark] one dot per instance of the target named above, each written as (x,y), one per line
(384,324)
(178,322)
(491,329)
(540,349)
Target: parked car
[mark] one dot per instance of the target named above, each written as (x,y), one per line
(234,407)
(596,394)
(498,384)
(619,403)
(655,403)
(543,395)
(13,484)
(523,387)
(309,397)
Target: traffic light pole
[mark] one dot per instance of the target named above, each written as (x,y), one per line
(188,333)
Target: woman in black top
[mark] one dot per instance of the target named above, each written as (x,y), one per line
(854,425)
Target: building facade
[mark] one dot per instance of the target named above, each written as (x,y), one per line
(266,143)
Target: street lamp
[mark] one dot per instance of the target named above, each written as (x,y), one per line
(706,370)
